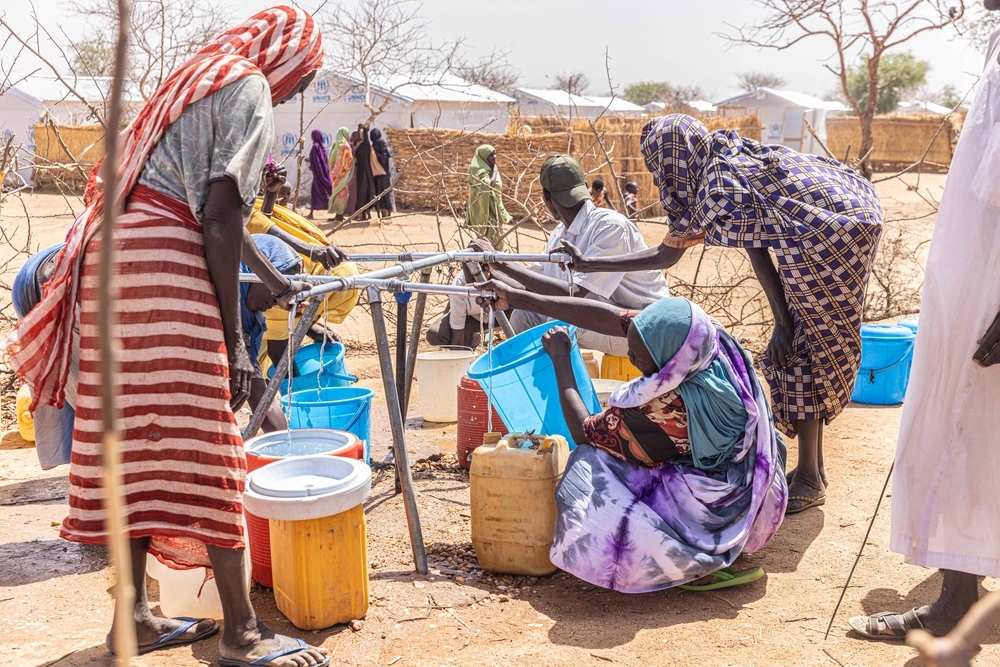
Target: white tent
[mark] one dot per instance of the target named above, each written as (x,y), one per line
(336,100)
(923,107)
(37,98)
(784,114)
(534,102)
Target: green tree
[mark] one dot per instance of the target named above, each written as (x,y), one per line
(94,56)
(675,97)
(899,74)
(646,92)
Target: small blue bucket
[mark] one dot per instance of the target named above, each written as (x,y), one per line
(310,374)
(911,324)
(339,408)
(886,355)
(525,391)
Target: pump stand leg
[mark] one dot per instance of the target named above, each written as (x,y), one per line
(411,353)
(398,433)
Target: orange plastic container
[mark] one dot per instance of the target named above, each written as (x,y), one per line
(319,550)
(261,451)
(315,593)
(25,422)
(618,368)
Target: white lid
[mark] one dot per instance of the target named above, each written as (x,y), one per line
(307,487)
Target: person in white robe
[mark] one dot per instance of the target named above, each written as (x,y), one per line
(945,503)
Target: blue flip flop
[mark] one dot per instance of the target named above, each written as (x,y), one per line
(171,640)
(262,662)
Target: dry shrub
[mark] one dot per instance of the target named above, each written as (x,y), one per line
(897,276)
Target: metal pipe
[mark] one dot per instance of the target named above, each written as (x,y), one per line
(401,269)
(398,432)
(282,369)
(418,323)
(465,256)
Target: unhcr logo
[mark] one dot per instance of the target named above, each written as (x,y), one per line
(288,140)
(322,91)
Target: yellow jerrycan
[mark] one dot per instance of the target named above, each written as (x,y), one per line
(513,497)
(25,422)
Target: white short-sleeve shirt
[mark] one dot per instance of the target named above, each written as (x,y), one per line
(602,232)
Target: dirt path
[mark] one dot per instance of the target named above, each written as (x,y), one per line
(55,597)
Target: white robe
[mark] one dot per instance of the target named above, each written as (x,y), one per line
(946,488)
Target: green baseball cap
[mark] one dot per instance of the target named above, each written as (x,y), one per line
(562,177)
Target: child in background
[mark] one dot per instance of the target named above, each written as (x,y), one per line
(632,200)
(599,195)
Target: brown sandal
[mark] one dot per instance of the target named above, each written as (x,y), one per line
(887,625)
(814,501)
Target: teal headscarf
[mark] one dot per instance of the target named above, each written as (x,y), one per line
(683,343)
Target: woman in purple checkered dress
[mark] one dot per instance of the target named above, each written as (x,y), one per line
(820,219)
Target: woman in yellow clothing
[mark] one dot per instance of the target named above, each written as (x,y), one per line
(319,257)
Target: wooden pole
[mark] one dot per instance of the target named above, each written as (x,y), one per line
(124,636)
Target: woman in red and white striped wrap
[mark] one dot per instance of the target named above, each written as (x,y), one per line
(190,169)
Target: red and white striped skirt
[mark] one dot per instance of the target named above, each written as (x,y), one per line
(183,464)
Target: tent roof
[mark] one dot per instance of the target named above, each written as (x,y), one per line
(47,88)
(702,105)
(450,89)
(614,104)
(796,99)
(559,98)
(929,107)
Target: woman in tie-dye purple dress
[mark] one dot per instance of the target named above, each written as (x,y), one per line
(685,470)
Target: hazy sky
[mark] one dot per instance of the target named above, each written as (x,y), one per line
(672,40)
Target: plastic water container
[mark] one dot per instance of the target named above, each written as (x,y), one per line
(512,491)
(277,446)
(525,391)
(25,422)
(339,408)
(910,323)
(473,419)
(618,368)
(311,374)
(318,536)
(604,388)
(192,593)
(590,358)
(886,355)
(438,374)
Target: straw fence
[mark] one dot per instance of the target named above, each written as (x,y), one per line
(68,161)
(434,163)
(900,139)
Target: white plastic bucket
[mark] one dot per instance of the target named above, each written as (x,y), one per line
(438,374)
(192,593)
(604,388)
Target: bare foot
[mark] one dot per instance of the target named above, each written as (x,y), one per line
(258,645)
(152,629)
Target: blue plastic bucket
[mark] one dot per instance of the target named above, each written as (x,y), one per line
(886,355)
(310,374)
(524,387)
(340,408)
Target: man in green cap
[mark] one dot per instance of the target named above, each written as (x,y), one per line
(597,232)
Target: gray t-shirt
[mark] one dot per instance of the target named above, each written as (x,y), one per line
(228,133)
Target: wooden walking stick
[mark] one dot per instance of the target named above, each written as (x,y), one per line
(124,635)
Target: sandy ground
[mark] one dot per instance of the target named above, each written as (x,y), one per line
(56,597)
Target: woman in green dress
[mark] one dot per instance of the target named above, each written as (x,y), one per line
(485,213)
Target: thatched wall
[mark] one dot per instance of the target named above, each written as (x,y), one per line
(900,139)
(85,144)
(434,163)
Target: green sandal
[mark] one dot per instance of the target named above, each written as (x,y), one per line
(727,578)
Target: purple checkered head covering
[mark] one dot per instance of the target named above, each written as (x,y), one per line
(676,149)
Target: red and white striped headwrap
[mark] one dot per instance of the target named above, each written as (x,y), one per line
(283,44)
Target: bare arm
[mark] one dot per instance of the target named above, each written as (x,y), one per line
(652,259)
(222,226)
(593,315)
(558,344)
(780,348)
